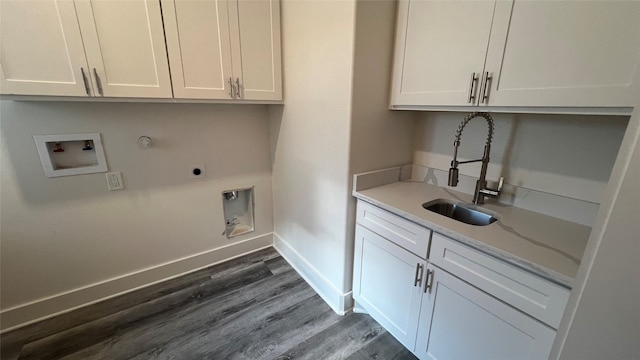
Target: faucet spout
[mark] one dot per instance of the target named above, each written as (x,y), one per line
(481,185)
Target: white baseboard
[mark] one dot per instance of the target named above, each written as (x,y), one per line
(51,306)
(340,302)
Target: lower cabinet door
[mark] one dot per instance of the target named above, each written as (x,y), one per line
(459,321)
(388,282)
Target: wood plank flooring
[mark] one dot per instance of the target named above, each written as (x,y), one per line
(253,307)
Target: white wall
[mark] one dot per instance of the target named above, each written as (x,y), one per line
(568,155)
(380,138)
(67,241)
(310,143)
(337,61)
(602,320)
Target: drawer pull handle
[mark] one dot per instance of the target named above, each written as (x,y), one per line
(419,272)
(428,284)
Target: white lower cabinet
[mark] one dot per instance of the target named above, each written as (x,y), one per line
(388,283)
(458,304)
(459,321)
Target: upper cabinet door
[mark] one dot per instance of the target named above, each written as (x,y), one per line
(440,47)
(564,53)
(199,48)
(41,49)
(125,47)
(255,45)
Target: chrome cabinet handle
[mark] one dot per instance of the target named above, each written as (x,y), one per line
(238,88)
(98,82)
(231,90)
(428,284)
(472,86)
(419,270)
(485,90)
(86,82)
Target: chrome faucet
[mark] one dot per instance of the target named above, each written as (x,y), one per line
(481,185)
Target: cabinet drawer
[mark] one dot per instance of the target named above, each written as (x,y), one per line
(527,292)
(402,232)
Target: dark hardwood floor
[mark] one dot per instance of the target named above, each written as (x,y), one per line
(253,307)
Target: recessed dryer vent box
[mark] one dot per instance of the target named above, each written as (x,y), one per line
(71,154)
(238,211)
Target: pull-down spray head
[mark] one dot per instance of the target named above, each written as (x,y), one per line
(453,170)
(453,176)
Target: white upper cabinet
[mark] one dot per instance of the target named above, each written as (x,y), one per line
(522,53)
(440,47)
(221,49)
(84,48)
(564,53)
(217,49)
(199,48)
(124,43)
(41,49)
(255,48)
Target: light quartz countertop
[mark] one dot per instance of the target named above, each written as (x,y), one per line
(547,246)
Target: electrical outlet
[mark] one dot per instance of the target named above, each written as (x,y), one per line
(114,181)
(196,171)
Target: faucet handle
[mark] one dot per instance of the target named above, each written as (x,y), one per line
(500,183)
(493,192)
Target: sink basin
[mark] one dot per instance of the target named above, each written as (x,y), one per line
(459,211)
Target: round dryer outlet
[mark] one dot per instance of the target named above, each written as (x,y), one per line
(196,171)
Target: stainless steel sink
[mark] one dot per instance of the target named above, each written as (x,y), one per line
(466,213)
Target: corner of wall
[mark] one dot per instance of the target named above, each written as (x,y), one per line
(340,302)
(611,250)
